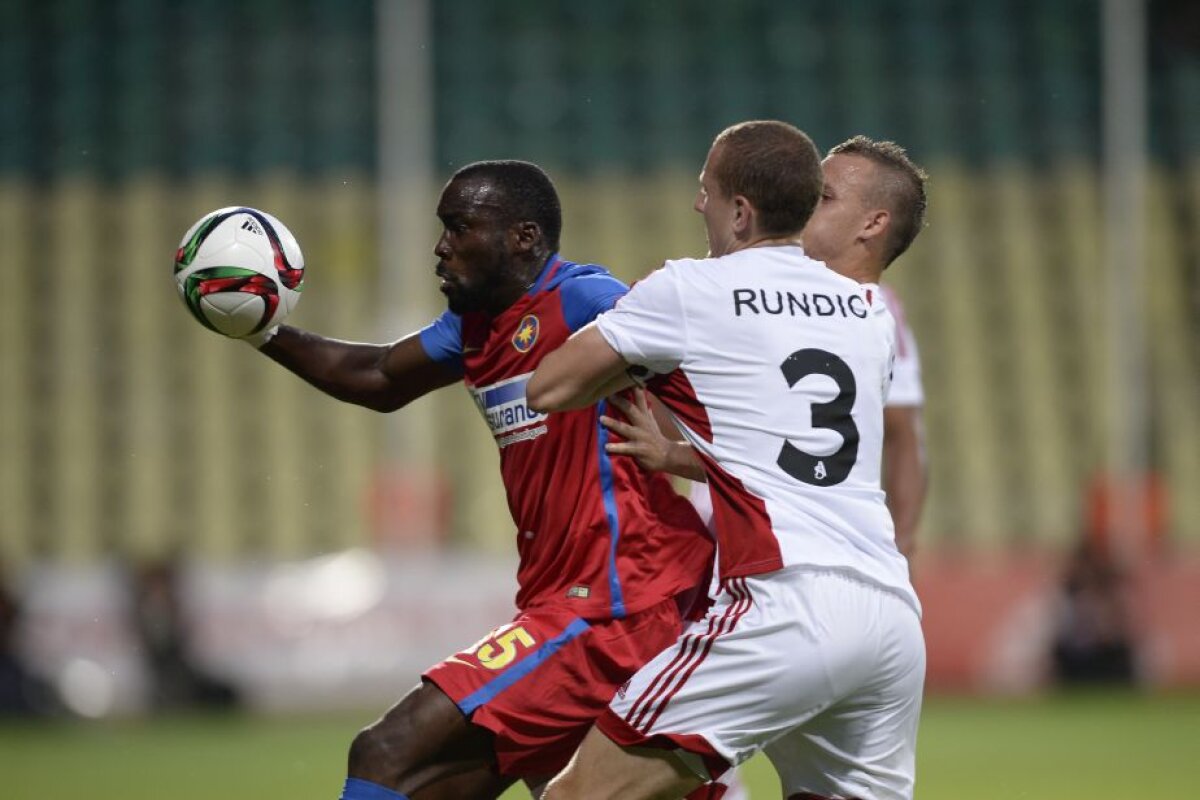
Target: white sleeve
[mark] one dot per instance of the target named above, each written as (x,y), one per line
(906,371)
(647,326)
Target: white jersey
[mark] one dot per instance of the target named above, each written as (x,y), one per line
(906,387)
(775,368)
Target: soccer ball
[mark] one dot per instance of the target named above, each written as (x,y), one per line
(239,271)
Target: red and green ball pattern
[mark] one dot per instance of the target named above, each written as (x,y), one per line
(187,253)
(235,279)
(289,276)
(212,280)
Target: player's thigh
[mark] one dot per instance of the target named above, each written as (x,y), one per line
(864,745)
(774,652)
(539,682)
(602,770)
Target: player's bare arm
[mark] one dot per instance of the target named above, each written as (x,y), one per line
(904,472)
(380,377)
(583,371)
(645,438)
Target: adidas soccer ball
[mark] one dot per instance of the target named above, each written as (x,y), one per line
(239,271)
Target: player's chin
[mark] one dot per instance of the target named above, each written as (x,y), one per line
(458,302)
(451,293)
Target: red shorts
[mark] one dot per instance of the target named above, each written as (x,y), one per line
(539,682)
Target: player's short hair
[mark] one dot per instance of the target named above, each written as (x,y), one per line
(776,167)
(901,192)
(528,193)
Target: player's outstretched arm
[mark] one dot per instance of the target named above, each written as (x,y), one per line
(381,377)
(646,439)
(904,472)
(584,370)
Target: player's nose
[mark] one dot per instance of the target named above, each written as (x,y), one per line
(442,248)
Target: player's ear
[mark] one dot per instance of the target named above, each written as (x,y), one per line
(524,236)
(876,224)
(743,214)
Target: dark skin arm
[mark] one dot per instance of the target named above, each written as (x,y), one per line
(904,473)
(380,377)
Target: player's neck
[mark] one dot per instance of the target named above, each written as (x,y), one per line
(520,280)
(771,241)
(861,270)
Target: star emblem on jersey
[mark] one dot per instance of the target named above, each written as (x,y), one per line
(527,334)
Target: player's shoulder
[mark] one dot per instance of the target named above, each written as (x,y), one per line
(877,304)
(687,270)
(573,276)
(585,291)
(896,306)
(891,299)
(583,282)
(671,277)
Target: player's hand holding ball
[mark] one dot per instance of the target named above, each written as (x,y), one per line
(240,272)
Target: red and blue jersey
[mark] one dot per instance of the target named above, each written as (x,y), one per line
(595,534)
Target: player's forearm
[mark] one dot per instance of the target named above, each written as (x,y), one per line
(904,473)
(906,495)
(556,387)
(580,373)
(546,394)
(348,371)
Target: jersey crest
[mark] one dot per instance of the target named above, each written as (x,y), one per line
(527,333)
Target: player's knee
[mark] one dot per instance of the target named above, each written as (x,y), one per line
(561,787)
(382,752)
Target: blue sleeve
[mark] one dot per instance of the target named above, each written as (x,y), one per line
(442,340)
(588,296)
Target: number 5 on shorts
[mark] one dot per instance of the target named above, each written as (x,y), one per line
(500,651)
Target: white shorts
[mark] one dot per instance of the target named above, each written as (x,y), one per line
(822,670)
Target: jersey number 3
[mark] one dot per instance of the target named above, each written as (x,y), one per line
(834,415)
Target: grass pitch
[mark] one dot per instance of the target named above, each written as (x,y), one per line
(1077,747)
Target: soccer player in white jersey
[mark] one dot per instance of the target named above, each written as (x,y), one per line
(872,208)
(775,368)
(905,475)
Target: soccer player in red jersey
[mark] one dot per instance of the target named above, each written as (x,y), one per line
(608,551)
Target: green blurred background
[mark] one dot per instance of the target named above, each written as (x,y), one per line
(1082,747)
(124,121)
(1054,364)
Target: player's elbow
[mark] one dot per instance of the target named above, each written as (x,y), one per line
(551,388)
(544,395)
(382,405)
(385,400)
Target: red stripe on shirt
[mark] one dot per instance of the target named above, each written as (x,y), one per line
(746,542)
(677,394)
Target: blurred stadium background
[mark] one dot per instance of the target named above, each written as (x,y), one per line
(327,554)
